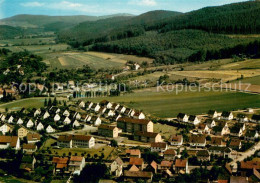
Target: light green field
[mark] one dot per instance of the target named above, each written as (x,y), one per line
(169,104)
(252,80)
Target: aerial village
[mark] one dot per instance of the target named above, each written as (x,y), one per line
(71,137)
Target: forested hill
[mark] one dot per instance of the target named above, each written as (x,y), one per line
(238,18)
(8,32)
(114,28)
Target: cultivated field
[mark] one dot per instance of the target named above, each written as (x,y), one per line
(96,60)
(169,104)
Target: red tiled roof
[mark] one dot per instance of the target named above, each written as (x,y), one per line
(134,169)
(235,142)
(217,141)
(197,138)
(33,136)
(176,138)
(250,165)
(222,181)
(170,152)
(180,163)
(76,158)
(154,165)
(59,160)
(166,163)
(106,127)
(159,144)
(138,174)
(136,161)
(9,139)
(133,152)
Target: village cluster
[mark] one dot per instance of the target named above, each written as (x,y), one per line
(211,136)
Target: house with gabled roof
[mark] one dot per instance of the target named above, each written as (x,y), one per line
(212,113)
(75,124)
(133,153)
(220,151)
(29,148)
(134,176)
(66,113)
(210,123)
(46,115)
(56,117)
(33,138)
(9,141)
(203,128)
(22,132)
(67,121)
(182,117)
(109,113)
(29,124)
(3,117)
(169,154)
(95,107)
(203,155)
(138,162)
(115,106)
(227,115)
(152,167)
(193,119)
(242,118)
(221,128)
(235,144)
(50,129)
(159,146)
(6,128)
(61,164)
(95,120)
(176,140)
(106,104)
(121,109)
(138,115)
(251,135)
(10,119)
(197,140)
(237,130)
(217,141)
(76,163)
(20,121)
(81,104)
(40,127)
(181,166)
(37,112)
(116,167)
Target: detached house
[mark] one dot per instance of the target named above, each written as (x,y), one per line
(213,114)
(236,131)
(67,121)
(106,104)
(5,128)
(29,124)
(133,153)
(20,121)
(210,123)
(138,162)
(221,129)
(227,115)
(56,117)
(49,129)
(197,140)
(181,166)
(40,127)
(138,115)
(242,118)
(95,107)
(193,120)
(116,167)
(33,138)
(235,144)
(76,163)
(176,140)
(169,154)
(61,164)
(95,120)
(255,118)
(9,141)
(217,141)
(10,119)
(203,129)
(220,151)
(251,135)
(182,117)
(203,155)
(159,146)
(29,148)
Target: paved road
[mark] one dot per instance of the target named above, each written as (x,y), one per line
(245,154)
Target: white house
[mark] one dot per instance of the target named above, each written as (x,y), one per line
(67,121)
(121,109)
(183,117)
(46,115)
(139,115)
(5,128)
(40,127)
(29,124)
(56,117)
(242,118)
(49,129)
(75,124)
(251,135)
(88,105)
(66,113)
(227,115)
(116,167)
(37,112)
(95,120)
(76,163)
(213,113)
(210,123)
(20,121)
(77,115)
(11,119)
(82,104)
(203,128)
(194,120)
(3,117)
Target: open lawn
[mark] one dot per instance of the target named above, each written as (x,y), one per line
(24,103)
(169,104)
(165,130)
(253,80)
(98,149)
(11,179)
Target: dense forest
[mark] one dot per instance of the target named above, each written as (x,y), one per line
(174,46)
(8,32)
